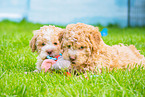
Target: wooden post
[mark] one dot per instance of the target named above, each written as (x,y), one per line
(128,22)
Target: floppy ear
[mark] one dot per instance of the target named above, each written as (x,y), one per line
(61,37)
(33,44)
(95,38)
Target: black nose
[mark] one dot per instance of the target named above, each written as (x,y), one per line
(49,52)
(72,58)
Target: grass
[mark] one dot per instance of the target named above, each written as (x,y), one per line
(17,58)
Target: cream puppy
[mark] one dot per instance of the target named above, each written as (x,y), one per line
(46,42)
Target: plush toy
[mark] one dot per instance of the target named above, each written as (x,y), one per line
(56,63)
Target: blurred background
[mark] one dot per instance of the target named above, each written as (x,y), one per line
(62,12)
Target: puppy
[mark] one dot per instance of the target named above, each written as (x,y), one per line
(46,42)
(83,46)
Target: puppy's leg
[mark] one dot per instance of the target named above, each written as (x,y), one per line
(38,64)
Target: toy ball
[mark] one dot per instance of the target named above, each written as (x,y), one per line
(47,63)
(104,32)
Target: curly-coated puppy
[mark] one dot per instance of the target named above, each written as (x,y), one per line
(83,46)
(46,42)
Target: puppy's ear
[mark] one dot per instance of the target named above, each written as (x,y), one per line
(33,44)
(95,38)
(60,36)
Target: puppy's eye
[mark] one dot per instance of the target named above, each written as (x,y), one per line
(43,44)
(69,46)
(55,43)
(81,47)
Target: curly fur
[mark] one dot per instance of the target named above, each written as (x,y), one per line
(46,39)
(84,43)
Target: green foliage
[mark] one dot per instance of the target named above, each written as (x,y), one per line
(17,58)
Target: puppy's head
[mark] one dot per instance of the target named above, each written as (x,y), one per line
(80,42)
(46,41)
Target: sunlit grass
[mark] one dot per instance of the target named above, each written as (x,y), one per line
(17,58)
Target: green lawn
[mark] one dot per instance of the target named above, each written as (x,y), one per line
(17,58)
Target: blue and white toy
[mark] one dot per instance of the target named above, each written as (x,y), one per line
(104,32)
(56,57)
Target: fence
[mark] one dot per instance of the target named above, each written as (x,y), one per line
(136,14)
(62,12)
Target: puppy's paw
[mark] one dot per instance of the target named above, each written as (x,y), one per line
(37,71)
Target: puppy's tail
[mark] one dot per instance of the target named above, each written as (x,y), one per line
(141,57)
(136,52)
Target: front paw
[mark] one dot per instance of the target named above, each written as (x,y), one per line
(36,71)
